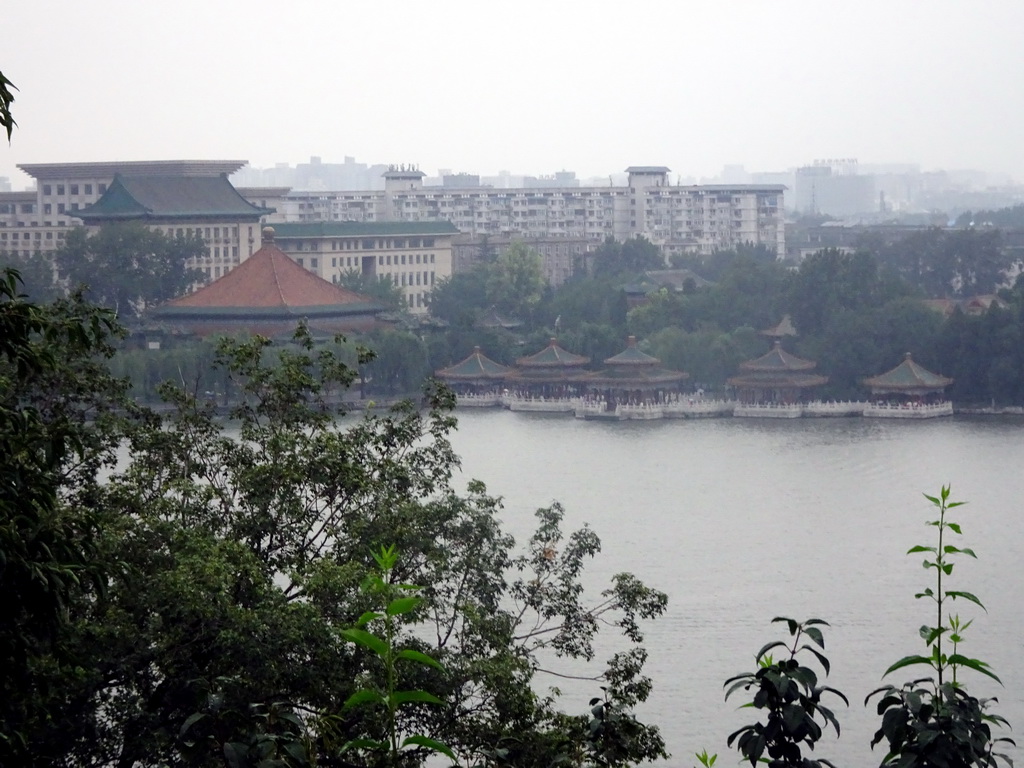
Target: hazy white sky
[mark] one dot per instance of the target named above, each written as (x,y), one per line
(533,87)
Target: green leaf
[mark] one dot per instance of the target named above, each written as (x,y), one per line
(235,754)
(815,634)
(966,596)
(402,697)
(367,617)
(969,551)
(813,622)
(424,741)
(768,647)
(363,697)
(954,527)
(190,721)
(947,568)
(402,605)
(365,639)
(821,658)
(364,744)
(907,661)
(978,666)
(920,548)
(422,658)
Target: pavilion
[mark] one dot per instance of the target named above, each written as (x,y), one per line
(549,380)
(776,379)
(632,378)
(477,380)
(908,391)
(269,294)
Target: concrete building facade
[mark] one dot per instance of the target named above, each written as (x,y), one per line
(415,256)
(680,219)
(38,221)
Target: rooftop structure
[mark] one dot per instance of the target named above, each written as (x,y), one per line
(775,377)
(633,370)
(908,379)
(269,294)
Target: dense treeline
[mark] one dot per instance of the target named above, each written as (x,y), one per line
(856,314)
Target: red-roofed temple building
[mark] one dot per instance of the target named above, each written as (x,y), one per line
(269,294)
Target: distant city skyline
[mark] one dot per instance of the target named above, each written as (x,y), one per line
(533,87)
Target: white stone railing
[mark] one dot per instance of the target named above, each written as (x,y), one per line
(585,408)
(834,408)
(640,411)
(695,408)
(909,410)
(769,410)
(540,404)
(478,399)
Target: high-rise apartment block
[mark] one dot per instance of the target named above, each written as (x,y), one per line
(680,219)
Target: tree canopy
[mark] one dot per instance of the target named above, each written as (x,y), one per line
(128,266)
(232,556)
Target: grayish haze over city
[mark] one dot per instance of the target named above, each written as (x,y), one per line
(531,87)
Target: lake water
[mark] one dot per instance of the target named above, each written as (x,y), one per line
(740,520)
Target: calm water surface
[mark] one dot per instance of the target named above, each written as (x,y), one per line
(740,520)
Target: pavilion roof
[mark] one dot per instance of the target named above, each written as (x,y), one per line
(632,356)
(777,360)
(553,356)
(164,196)
(476,367)
(268,284)
(491,319)
(784,328)
(776,380)
(908,377)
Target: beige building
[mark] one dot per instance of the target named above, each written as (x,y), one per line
(415,256)
(38,221)
(698,219)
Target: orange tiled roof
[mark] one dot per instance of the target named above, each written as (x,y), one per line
(269,279)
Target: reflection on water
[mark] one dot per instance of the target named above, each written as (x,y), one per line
(741,520)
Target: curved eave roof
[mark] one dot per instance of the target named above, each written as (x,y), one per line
(632,357)
(171,312)
(546,376)
(553,356)
(164,196)
(778,360)
(476,367)
(636,378)
(908,377)
(763,380)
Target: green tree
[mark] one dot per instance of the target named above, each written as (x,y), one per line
(128,266)
(36,272)
(243,557)
(379,287)
(630,257)
(459,299)
(55,433)
(515,280)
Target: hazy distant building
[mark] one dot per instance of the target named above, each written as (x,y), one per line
(834,188)
(695,218)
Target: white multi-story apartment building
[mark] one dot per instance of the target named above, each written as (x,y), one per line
(680,219)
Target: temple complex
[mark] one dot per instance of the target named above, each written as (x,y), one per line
(269,294)
(908,391)
(476,381)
